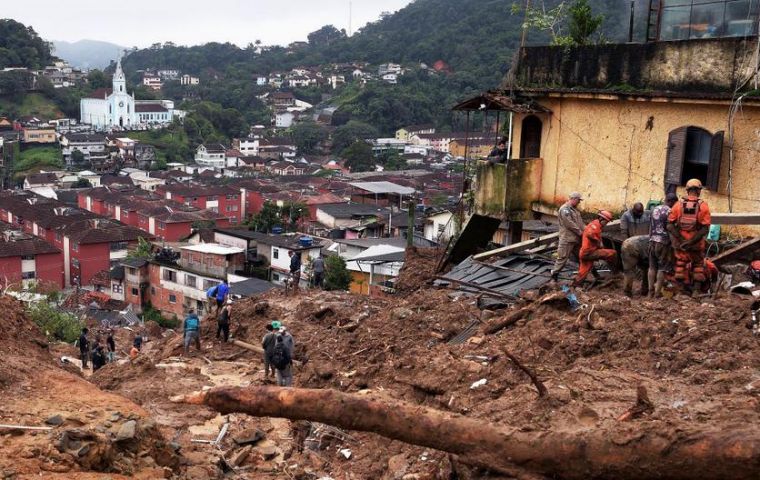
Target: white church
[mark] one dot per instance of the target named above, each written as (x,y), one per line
(107,108)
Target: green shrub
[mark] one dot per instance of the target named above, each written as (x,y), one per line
(151,314)
(56,324)
(337,276)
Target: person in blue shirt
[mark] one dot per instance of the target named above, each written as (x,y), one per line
(192,328)
(222,290)
(211,298)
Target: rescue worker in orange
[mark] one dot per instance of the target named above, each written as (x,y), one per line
(688,225)
(591,248)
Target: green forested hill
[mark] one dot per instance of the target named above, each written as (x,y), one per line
(20,46)
(475,38)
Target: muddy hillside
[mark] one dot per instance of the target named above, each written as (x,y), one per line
(635,369)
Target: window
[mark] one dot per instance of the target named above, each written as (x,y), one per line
(152,290)
(116,288)
(135,292)
(75,247)
(116,246)
(693,152)
(208,283)
(212,198)
(27,257)
(58,236)
(275,253)
(162,225)
(689,19)
(191,281)
(172,298)
(75,263)
(27,275)
(170,275)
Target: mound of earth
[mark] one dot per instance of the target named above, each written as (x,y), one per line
(90,431)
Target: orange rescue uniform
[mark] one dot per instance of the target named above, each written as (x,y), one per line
(591,251)
(688,215)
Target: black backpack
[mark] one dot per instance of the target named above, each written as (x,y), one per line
(280,356)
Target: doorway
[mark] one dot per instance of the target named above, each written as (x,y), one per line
(530,138)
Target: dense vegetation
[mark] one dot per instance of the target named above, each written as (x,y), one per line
(471,42)
(20,46)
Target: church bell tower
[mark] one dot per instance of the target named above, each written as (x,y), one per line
(119,82)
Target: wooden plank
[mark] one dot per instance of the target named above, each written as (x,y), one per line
(519,247)
(735,218)
(524,272)
(735,253)
(23,427)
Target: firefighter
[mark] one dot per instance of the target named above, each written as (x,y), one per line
(591,248)
(688,225)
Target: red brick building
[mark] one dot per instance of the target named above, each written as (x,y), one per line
(25,258)
(220,199)
(175,288)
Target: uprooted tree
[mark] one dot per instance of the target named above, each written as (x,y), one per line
(625,453)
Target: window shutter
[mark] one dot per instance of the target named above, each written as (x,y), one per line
(713,168)
(675,156)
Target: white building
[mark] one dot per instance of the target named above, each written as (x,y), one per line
(189,80)
(284,119)
(439,226)
(151,81)
(213,156)
(260,80)
(106,108)
(169,74)
(247,146)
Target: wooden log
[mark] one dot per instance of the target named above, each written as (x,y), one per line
(257,349)
(508,321)
(625,452)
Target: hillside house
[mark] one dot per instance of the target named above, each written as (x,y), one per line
(676,118)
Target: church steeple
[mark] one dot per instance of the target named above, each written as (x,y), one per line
(119,82)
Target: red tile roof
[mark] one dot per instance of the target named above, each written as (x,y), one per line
(101,93)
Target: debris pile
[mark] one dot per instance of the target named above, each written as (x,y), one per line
(55,422)
(637,369)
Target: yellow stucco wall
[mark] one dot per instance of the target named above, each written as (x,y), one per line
(614,151)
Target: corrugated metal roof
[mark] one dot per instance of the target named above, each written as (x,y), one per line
(505,276)
(383,187)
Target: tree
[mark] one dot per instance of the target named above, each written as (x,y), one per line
(268,217)
(337,275)
(294,211)
(350,132)
(325,35)
(307,136)
(359,157)
(56,324)
(77,158)
(97,79)
(82,183)
(143,251)
(583,23)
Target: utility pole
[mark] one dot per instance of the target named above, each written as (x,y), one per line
(410,225)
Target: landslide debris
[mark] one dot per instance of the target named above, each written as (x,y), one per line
(85,422)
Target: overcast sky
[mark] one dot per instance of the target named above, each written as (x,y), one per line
(191,22)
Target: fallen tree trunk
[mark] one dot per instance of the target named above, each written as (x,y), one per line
(628,452)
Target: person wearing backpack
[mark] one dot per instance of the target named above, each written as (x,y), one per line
(282,363)
(192,327)
(223,322)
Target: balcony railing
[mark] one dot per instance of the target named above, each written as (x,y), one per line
(506,191)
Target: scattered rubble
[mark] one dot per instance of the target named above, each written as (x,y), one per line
(696,361)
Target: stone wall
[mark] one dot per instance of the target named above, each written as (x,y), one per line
(706,65)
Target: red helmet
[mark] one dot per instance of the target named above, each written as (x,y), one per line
(605,215)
